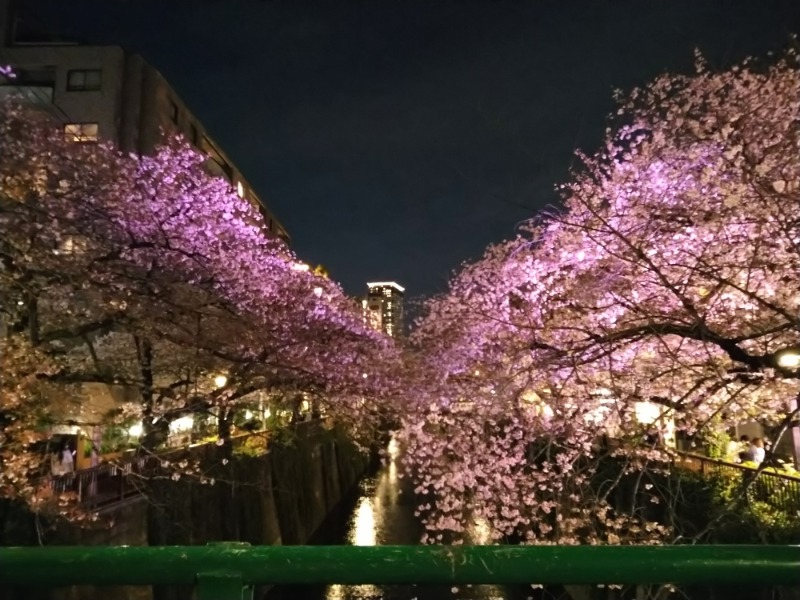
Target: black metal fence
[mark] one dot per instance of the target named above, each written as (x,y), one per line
(113,482)
(121,480)
(779,490)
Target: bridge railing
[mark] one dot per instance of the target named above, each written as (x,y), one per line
(229,571)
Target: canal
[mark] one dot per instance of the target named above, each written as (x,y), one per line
(381,512)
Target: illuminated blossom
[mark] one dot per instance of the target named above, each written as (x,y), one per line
(653,302)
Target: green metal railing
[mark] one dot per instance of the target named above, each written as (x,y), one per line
(228,571)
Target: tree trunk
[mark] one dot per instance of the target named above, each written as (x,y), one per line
(152,435)
(224,424)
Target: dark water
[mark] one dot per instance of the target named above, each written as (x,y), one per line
(382,513)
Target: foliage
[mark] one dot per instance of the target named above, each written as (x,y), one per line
(716,443)
(255,445)
(22,406)
(661,293)
(738,516)
(115,438)
(146,274)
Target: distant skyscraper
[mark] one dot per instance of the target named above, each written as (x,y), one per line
(383,307)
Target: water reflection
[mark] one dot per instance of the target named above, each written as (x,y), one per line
(383,514)
(480,533)
(353,592)
(377,519)
(363,531)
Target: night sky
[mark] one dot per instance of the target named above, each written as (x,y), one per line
(396,140)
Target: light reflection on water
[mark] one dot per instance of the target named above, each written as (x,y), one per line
(383,514)
(363,531)
(360,532)
(367,526)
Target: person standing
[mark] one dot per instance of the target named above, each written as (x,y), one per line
(55,463)
(67,460)
(758,450)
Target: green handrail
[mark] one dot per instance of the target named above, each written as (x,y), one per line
(245,565)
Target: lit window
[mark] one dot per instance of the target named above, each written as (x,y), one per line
(84,80)
(240,189)
(81,132)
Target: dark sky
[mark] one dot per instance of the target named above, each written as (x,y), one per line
(397,139)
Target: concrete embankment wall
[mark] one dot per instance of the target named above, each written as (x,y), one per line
(280,497)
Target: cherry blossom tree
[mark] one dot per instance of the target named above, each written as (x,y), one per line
(149,274)
(663,292)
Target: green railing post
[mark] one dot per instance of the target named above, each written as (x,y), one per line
(223,585)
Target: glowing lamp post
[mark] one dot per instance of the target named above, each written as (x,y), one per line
(788,359)
(788,362)
(220,381)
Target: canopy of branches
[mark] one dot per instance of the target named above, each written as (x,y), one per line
(668,283)
(147,273)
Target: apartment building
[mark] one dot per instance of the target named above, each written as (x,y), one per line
(107,93)
(383,307)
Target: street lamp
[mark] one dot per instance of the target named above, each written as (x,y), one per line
(788,361)
(220,381)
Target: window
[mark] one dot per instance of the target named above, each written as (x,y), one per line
(194,136)
(44,76)
(36,86)
(240,189)
(81,132)
(84,80)
(228,170)
(173,111)
(217,165)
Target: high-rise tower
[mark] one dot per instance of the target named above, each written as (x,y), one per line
(383,307)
